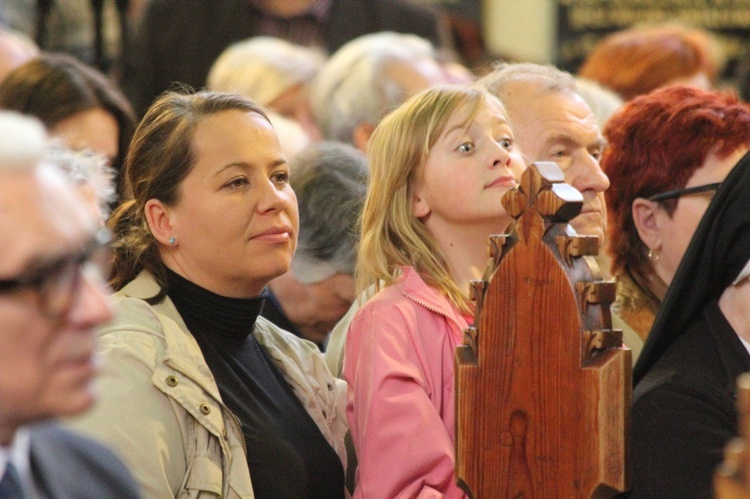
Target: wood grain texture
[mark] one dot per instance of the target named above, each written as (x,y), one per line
(542,381)
(732,478)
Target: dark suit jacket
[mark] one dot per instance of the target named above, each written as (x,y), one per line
(69,466)
(180,39)
(684,411)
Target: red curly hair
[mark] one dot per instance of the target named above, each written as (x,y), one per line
(636,61)
(656,143)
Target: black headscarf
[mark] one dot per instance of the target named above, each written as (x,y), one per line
(717,253)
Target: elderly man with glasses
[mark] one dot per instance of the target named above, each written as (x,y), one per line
(52,295)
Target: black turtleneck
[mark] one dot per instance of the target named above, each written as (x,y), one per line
(287,454)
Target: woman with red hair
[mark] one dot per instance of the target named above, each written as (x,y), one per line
(635,61)
(668,153)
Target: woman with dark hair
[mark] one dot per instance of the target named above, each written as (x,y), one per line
(75,102)
(684,410)
(668,151)
(201,394)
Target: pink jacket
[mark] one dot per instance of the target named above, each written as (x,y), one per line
(400,406)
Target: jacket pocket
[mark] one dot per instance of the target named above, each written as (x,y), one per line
(204,477)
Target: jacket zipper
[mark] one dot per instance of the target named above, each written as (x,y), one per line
(435,310)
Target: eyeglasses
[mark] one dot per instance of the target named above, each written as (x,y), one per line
(676,193)
(57,282)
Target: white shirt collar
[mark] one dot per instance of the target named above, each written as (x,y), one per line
(19,453)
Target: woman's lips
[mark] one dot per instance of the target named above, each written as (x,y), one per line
(275,235)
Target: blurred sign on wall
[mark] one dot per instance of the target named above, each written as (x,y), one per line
(582,23)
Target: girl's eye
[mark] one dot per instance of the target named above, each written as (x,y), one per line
(506,143)
(466,147)
(280,177)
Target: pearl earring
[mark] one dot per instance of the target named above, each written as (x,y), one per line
(172,240)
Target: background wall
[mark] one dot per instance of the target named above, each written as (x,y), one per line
(523,30)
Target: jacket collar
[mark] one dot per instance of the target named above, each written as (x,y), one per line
(183,352)
(418,291)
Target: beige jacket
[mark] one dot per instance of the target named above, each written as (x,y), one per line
(160,409)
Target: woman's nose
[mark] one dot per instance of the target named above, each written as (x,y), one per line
(272,198)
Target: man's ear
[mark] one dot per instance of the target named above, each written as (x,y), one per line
(157,216)
(647,223)
(361,135)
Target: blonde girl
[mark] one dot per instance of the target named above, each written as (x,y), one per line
(439,166)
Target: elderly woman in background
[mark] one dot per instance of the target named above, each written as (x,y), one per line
(367,78)
(76,103)
(272,72)
(635,61)
(684,410)
(668,151)
(199,393)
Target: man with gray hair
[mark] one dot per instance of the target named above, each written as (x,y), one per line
(330,180)
(552,122)
(52,295)
(366,79)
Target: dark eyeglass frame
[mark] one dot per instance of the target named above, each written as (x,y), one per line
(57,282)
(676,193)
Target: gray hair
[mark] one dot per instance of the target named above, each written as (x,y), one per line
(546,76)
(330,180)
(353,86)
(602,101)
(86,167)
(23,142)
(263,68)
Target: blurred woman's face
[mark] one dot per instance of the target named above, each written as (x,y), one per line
(294,104)
(676,231)
(235,222)
(95,129)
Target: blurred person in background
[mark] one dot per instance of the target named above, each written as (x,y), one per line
(77,103)
(637,60)
(330,180)
(178,41)
(603,102)
(93,177)
(272,72)
(15,49)
(369,77)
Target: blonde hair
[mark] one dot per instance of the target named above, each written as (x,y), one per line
(391,235)
(262,68)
